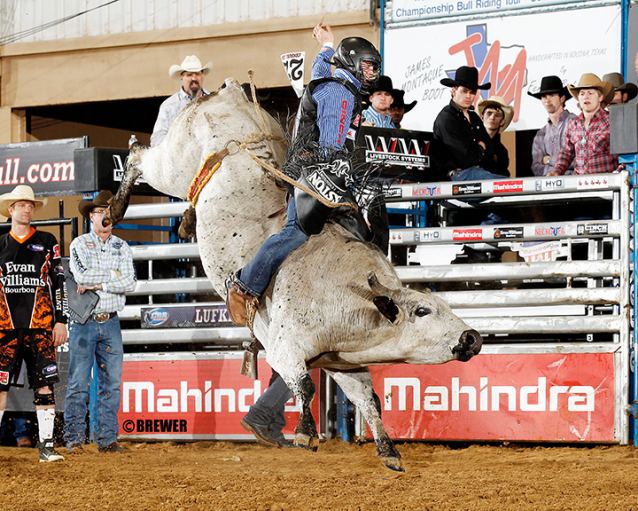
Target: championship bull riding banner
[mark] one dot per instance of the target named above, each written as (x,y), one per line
(511,52)
(188,396)
(522,397)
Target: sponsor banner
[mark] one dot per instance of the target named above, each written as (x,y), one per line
(507,52)
(542,251)
(467,234)
(556,183)
(47,167)
(551,231)
(425,190)
(412,10)
(195,397)
(535,397)
(427,235)
(592,229)
(396,236)
(393,193)
(508,232)
(293,65)
(185,316)
(397,147)
(508,186)
(592,182)
(467,188)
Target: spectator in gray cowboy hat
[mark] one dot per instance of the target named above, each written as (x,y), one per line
(191,74)
(399,108)
(549,139)
(622,92)
(380,99)
(459,130)
(497,115)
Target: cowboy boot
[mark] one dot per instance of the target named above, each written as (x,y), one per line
(242,306)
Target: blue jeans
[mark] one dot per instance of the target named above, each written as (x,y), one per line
(476,173)
(101,342)
(256,275)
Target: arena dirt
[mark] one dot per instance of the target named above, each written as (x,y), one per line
(219,476)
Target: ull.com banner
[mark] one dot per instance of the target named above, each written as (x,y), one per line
(533,397)
(513,53)
(187,396)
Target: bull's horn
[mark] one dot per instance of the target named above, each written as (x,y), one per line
(378,288)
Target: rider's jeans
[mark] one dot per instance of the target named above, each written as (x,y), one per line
(256,275)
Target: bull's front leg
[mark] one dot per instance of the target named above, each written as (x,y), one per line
(357,386)
(119,203)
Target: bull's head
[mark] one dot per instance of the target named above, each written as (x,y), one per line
(429,332)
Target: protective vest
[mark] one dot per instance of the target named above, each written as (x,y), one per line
(306,120)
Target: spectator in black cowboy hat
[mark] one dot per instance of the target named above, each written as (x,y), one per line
(549,139)
(380,100)
(459,130)
(399,108)
(623,92)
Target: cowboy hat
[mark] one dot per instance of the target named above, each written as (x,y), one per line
(102,200)
(467,77)
(551,84)
(618,83)
(383,84)
(190,64)
(20,192)
(500,103)
(399,100)
(590,81)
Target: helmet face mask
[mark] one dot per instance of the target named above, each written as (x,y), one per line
(350,55)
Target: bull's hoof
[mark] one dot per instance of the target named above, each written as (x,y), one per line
(393,463)
(307,442)
(187,227)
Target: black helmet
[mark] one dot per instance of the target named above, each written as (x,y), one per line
(351,52)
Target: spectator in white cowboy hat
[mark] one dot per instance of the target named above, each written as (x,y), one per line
(380,99)
(459,130)
(32,321)
(399,107)
(622,92)
(587,138)
(191,74)
(497,115)
(549,139)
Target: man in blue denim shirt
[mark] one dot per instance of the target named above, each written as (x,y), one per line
(103,263)
(326,112)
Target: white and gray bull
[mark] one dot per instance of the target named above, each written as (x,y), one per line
(336,303)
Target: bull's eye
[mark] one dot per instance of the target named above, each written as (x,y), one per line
(422,311)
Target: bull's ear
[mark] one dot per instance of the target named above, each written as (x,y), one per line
(387,307)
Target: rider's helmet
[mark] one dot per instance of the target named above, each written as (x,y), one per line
(350,54)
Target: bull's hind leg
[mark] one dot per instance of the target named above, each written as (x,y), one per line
(357,386)
(302,386)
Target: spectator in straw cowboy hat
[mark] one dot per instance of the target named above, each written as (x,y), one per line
(549,139)
(380,99)
(497,115)
(622,92)
(459,130)
(587,138)
(32,321)
(191,74)
(399,107)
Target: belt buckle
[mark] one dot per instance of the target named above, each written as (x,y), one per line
(101,317)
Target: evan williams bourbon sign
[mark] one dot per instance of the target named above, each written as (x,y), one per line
(47,167)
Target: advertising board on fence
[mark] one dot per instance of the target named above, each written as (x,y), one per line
(192,396)
(535,397)
(509,53)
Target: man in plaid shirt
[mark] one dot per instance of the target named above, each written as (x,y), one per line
(587,137)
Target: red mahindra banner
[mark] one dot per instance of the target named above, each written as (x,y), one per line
(544,397)
(187,396)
